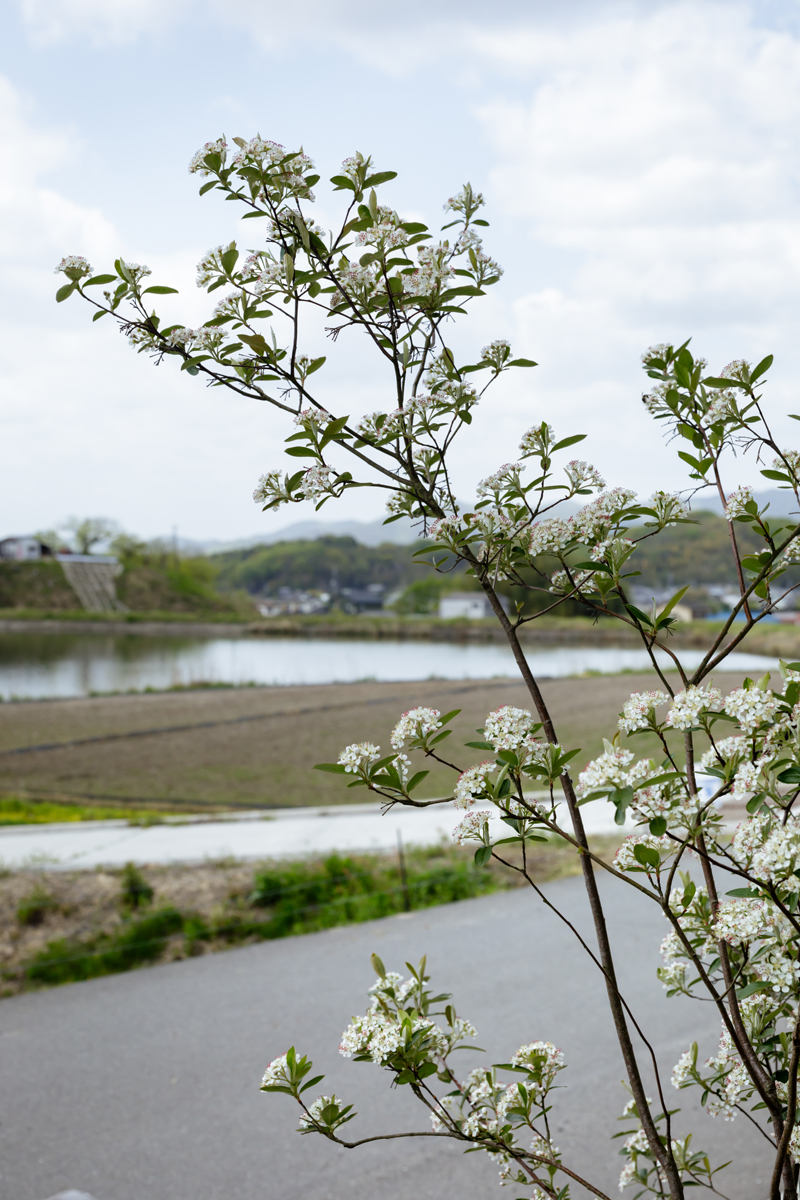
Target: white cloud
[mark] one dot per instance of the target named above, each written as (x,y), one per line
(658,153)
(100,22)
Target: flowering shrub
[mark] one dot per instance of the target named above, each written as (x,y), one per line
(394,284)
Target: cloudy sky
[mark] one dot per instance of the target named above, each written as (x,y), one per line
(639,161)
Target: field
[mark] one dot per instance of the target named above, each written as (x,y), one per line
(228,748)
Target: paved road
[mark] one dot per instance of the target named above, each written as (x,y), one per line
(284,833)
(145,1086)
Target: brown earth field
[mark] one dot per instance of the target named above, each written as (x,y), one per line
(233,748)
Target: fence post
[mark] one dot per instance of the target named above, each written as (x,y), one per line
(403,874)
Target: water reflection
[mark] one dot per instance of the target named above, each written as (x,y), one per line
(45,665)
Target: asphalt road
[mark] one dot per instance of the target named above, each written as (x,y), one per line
(145,1086)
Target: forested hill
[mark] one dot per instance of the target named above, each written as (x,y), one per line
(698,553)
(326,564)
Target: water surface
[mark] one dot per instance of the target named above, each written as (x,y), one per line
(64,665)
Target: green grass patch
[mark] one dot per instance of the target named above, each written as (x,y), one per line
(284,900)
(17,811)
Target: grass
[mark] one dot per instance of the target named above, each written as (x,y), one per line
(283,900)
(82,925)
(15,810)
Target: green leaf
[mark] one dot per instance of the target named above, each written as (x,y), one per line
(763,366)
(658,826)
(334,768)
(378,178)
(65,291)
(482,855)
(160,290)
(301,452)
(449,716)
(427,1069)
(480,746)
(792,775)
(342,181)
(377,966)
(671,604)
(207,187)
(255,341)
(647,856)
(570,441)
(781,475)
(100,279)
(405,1077)
(760,985)
(522,362)
(415,780)
(747,893)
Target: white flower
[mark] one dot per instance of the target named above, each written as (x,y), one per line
(538,439)
(607,770)
(689,704)
(197,165)
(504,477)
(415,723)
(136,271)
(75,266)
(509,728)
(723,752)
(582,475)
(638,710)
(601,516)
(316,482)
(751,707)
(498,351)
(471,784)
(737,501)
(472,827)
(359,756)
(275,1072)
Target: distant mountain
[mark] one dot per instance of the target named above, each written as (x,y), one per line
(782,504)
(368,533)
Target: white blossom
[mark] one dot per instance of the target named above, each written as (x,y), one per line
(638,710)
(471,827)
(74,265)
(197,165)
(751,707)
(687,706)
(417,722)
(737,501)
(359,756)
(471,784)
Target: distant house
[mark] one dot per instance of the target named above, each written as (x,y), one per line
(472,605)
(356,600)
(290,601)
(23,549)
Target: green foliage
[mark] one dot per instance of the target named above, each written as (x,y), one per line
(296,898)
(314,565)
(136,891)
(33,909)
(342,891)
(70,960)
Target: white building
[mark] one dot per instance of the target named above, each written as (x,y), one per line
(23,549)
(472,605)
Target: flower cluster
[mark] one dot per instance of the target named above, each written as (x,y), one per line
(197,165)
(737,501)
(416,723)
(690,705)
(358,756)
(638,710)
(509,728)
(751,707)
(471,785)
(74,266)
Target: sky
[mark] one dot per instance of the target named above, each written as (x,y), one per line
(639,163)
